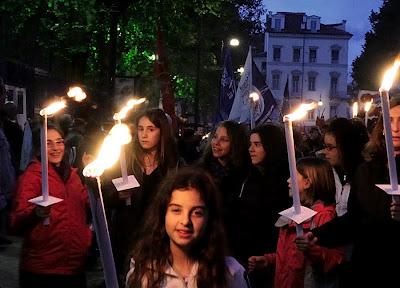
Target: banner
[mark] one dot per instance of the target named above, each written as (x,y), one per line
(251,81)
(228,88)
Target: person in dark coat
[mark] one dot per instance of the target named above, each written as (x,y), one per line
(263,194)
(152,155)
(372,221)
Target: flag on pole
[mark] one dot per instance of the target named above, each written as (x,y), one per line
(228,88)
(285,101)
(252,80)
(162,75)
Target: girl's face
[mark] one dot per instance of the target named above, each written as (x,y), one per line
(395,120)
(256,149)
(220,143)
(331,150)
(148,134)
(185,219)
(55,147)
(303,183)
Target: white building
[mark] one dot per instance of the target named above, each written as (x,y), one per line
(312,57)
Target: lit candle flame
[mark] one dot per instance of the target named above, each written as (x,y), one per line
(52,108)
(121,132)
(389,76)
(300,112)
(254,96)
(355,109)
(129,105)
(110,150)
(367,105)
(77,93)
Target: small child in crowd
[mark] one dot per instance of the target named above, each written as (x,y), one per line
(310,266)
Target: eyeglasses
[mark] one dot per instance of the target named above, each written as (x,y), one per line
(329,147)
(57,143)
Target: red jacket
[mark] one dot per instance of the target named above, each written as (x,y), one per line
(62,246)
(290,263)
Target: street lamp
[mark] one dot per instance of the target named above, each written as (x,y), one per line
(234,42)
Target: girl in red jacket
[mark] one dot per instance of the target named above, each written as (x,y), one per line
(313,267)
(52,255)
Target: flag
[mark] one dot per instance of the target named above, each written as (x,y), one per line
(252,81)
(228,88)
(285,101)
(162,75)
(266,103)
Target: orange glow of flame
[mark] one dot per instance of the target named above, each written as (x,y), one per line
(300,112)
(367,105)
(77,93)
(389,75)
(110,150)
(355,109)
(129,105)
(52,108)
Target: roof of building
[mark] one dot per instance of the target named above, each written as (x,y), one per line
(293,23)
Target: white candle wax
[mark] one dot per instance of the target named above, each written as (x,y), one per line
(45,176)
(389,139)
(293,172)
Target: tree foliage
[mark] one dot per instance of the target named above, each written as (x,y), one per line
(382,44)
(72,39)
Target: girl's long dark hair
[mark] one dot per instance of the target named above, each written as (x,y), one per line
(274,143)
(351,138)
(167,154)
(238,156)
(152,252)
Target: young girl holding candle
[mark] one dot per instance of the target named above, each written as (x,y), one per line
(53,255)
(313,267)
(372,221)
(183,238)
(150,157)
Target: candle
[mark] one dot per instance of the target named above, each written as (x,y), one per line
(355,109)
(384,94)
(46,200)
(127,182)
(288,120)
(367,107)
(107,157)
(254,97)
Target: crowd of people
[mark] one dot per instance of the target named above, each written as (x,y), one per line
(206,215)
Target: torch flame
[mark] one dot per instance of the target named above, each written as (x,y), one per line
(389,76)
(355,109)
(300,112)
(77,93)
(368,104)
(110,150)
(52,108)
(129,105)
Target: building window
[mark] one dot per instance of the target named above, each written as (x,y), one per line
(332,112)
(313,55)
(334,85)
(277,54)
(296,54)
(311,82)
(310,114)
(263,66)
(295,83)
(335,56)
(278,24)
(276,81)
(313,25)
